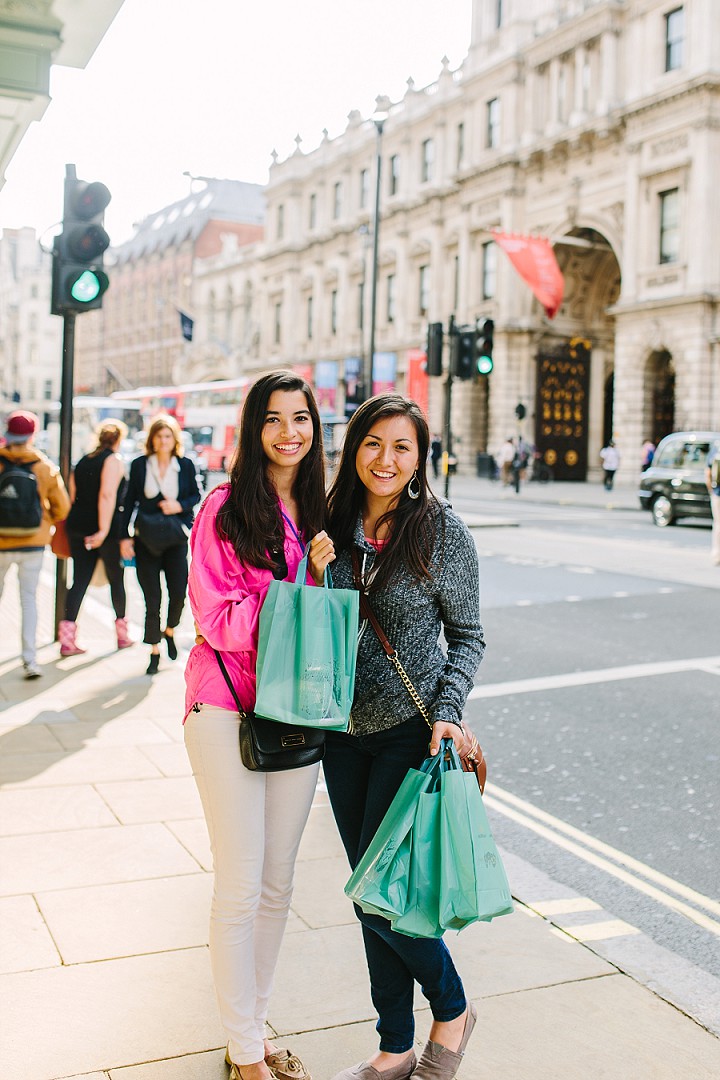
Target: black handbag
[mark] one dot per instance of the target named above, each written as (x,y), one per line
(267,745)
(159,531)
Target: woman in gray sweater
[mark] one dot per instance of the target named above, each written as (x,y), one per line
(419,566)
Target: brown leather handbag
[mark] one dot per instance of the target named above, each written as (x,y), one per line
(59,542)
(473,760)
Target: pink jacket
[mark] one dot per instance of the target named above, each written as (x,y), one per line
(226,597)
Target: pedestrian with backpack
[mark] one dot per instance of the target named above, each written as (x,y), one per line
(32,499)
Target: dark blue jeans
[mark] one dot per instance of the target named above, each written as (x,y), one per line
(363,774)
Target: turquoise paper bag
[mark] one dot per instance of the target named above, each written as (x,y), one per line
(473,883)
(307,646)
(379,882)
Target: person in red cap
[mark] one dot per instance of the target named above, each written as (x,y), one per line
(32,498)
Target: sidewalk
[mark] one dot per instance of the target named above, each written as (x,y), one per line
(590,494)
(104,896)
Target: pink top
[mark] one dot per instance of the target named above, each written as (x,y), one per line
(226,596)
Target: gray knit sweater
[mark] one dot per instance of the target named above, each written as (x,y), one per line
(412,614)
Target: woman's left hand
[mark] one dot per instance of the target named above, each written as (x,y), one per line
(322,552)
(442,729)
(94,541)
(170,506)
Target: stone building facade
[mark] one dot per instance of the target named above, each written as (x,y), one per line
(30,337)
(135,338)
(595,123)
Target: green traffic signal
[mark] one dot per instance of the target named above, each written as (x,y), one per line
(484,364)
(87,285)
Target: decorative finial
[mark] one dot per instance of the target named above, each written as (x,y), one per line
(325,134)
(445,63)
(298,140)
(274,156)
(410,85)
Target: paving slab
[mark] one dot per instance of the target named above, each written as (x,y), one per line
(210,1066)
(193,836)
(28,739)
(170,760)
(147,916)
(52,809)
(121,731)
(71,859)
(135,801)
(76,767)
(100,1016)
(25,941)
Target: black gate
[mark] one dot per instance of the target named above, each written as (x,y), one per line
(563,384)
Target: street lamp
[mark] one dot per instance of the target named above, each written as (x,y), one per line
(379,117)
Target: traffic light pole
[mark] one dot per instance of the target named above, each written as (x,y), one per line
(66,418)
(447,435)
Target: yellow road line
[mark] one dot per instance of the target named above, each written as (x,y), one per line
(604,864)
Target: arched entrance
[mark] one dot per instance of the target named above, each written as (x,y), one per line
(659,395)
(575,368)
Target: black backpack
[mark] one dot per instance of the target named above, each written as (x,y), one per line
(20,506)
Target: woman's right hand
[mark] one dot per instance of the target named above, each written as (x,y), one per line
(127,549)
(322,553)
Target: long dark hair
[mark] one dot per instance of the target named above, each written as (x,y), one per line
(412,522)
(250,518)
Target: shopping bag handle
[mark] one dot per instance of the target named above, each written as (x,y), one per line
(302,570)
(446,760)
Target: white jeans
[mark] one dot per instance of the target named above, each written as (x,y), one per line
(255,821)
(29,564)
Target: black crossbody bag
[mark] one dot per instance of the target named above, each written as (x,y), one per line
(269,746)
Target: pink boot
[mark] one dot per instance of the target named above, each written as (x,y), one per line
(66,632)
(123,638)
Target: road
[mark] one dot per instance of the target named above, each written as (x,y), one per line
(597,706)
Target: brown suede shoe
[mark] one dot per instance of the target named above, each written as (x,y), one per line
(439,1063)
(365,1071)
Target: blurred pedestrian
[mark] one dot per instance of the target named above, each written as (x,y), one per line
(97,486)
(249,531)
(610,462)
(505,456)
(436,454)
(162,492)
(418,561)
(647,452)
(32,499)
(712,479)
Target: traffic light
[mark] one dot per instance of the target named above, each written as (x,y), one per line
(485,348)
(520,411)
(78,278)
(434,348)
(465,353)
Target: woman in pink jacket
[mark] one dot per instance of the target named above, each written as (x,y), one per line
(248,532)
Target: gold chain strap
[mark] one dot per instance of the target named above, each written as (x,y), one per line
(395,659)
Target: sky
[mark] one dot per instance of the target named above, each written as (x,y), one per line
(212,88)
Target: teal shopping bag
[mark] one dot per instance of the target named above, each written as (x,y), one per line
(473,883)
(307,646)
(422,908)
(379,882)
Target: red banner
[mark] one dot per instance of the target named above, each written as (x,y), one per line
(417,381)
(535,262)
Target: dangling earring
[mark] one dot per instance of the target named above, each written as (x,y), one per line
(414,494)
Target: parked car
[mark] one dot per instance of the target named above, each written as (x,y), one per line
(674,485)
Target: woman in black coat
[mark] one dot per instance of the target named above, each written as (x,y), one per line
(162,491)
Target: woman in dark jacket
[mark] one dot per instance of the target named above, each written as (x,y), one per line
(163,484)
(93,526)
